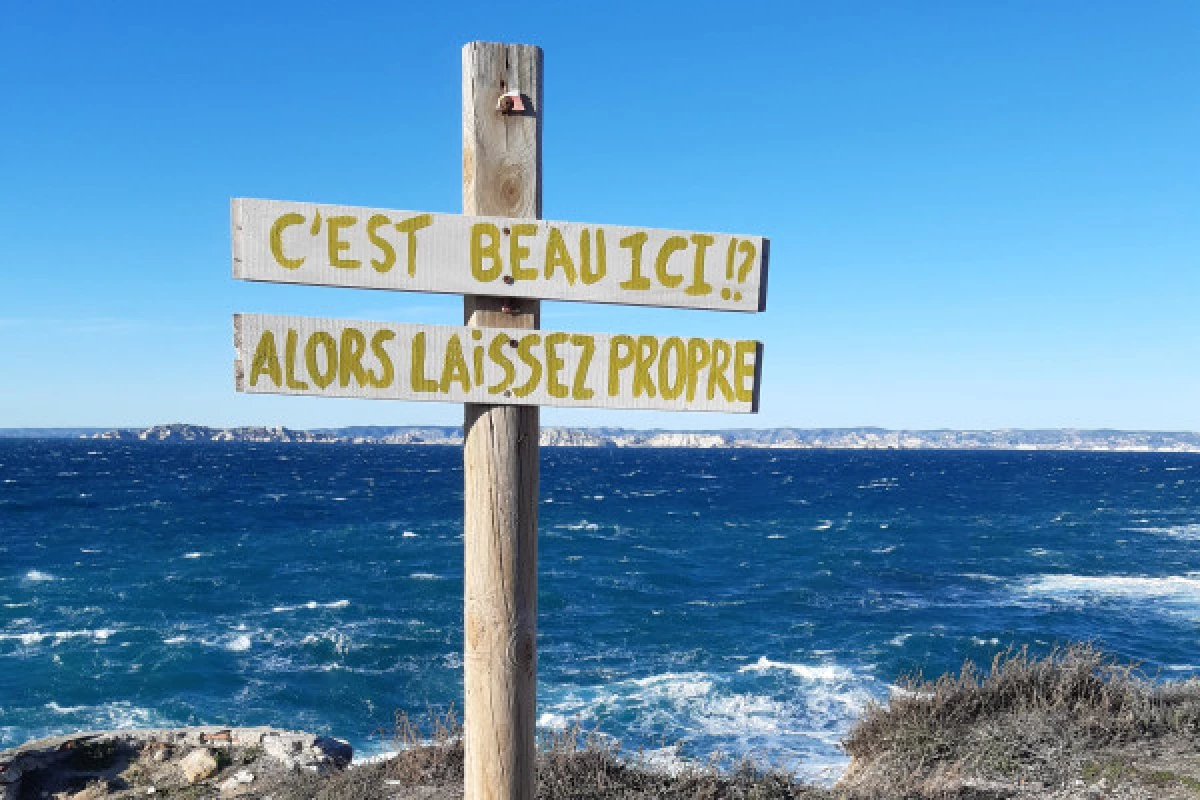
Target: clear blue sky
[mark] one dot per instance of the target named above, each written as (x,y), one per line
(981,214)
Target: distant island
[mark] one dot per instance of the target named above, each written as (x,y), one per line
(774,438)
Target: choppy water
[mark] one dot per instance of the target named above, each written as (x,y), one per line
(741,601)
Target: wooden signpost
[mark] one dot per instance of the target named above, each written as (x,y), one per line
(504,260)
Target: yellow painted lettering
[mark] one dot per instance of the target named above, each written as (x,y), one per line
(353,348)
(266,359)
(647,349)
(526,355)
(289,361)
(417,371)
(721,356)
(321,377)
(477,356)
(376,222)
(618,361)
(747,264)
(518,252)
(699,286)
(745,364)
(385,361)
(579,389)
(586,273)
(410,227)
(479,252)
(277,227)
(454,366)
(498,357)
(333,227)
(672,245)
(672,376)
(558,257)
(637,281)
(554,364)
(699,354)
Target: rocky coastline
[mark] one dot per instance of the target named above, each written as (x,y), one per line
(196,762)
(767,438)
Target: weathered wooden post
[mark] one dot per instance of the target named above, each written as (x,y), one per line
(502,176)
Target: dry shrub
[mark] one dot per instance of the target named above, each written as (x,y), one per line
(574,764)
(428,763)
(427,756)
(1024,711)
(586,765)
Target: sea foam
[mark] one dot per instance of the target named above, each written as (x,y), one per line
(239,643)
(311,604)
(38,576)
(1179,587)
(759,709)
(809,672)
(1186,533)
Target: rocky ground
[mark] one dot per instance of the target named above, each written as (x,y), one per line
(194,763)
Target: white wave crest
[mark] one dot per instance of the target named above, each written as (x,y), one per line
(37,576)
(808,672)
(1177,587)
(311,604)
(552,720)
(338,640)
(239,644)
(1185,533)
(106,716)
(981,576)
(664,759)
(57,637)
(582,525)
(759,710)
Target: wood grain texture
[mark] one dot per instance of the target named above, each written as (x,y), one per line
(502,175)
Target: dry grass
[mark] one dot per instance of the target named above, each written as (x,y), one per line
(574,763)
(585,765)
(1079,684)
(1027,717)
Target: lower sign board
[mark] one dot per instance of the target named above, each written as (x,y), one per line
(386,361)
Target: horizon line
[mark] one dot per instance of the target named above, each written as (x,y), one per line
(142,427)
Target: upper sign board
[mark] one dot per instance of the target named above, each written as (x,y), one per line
(414,251)
(501,366)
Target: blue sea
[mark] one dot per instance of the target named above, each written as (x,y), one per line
(691,601)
